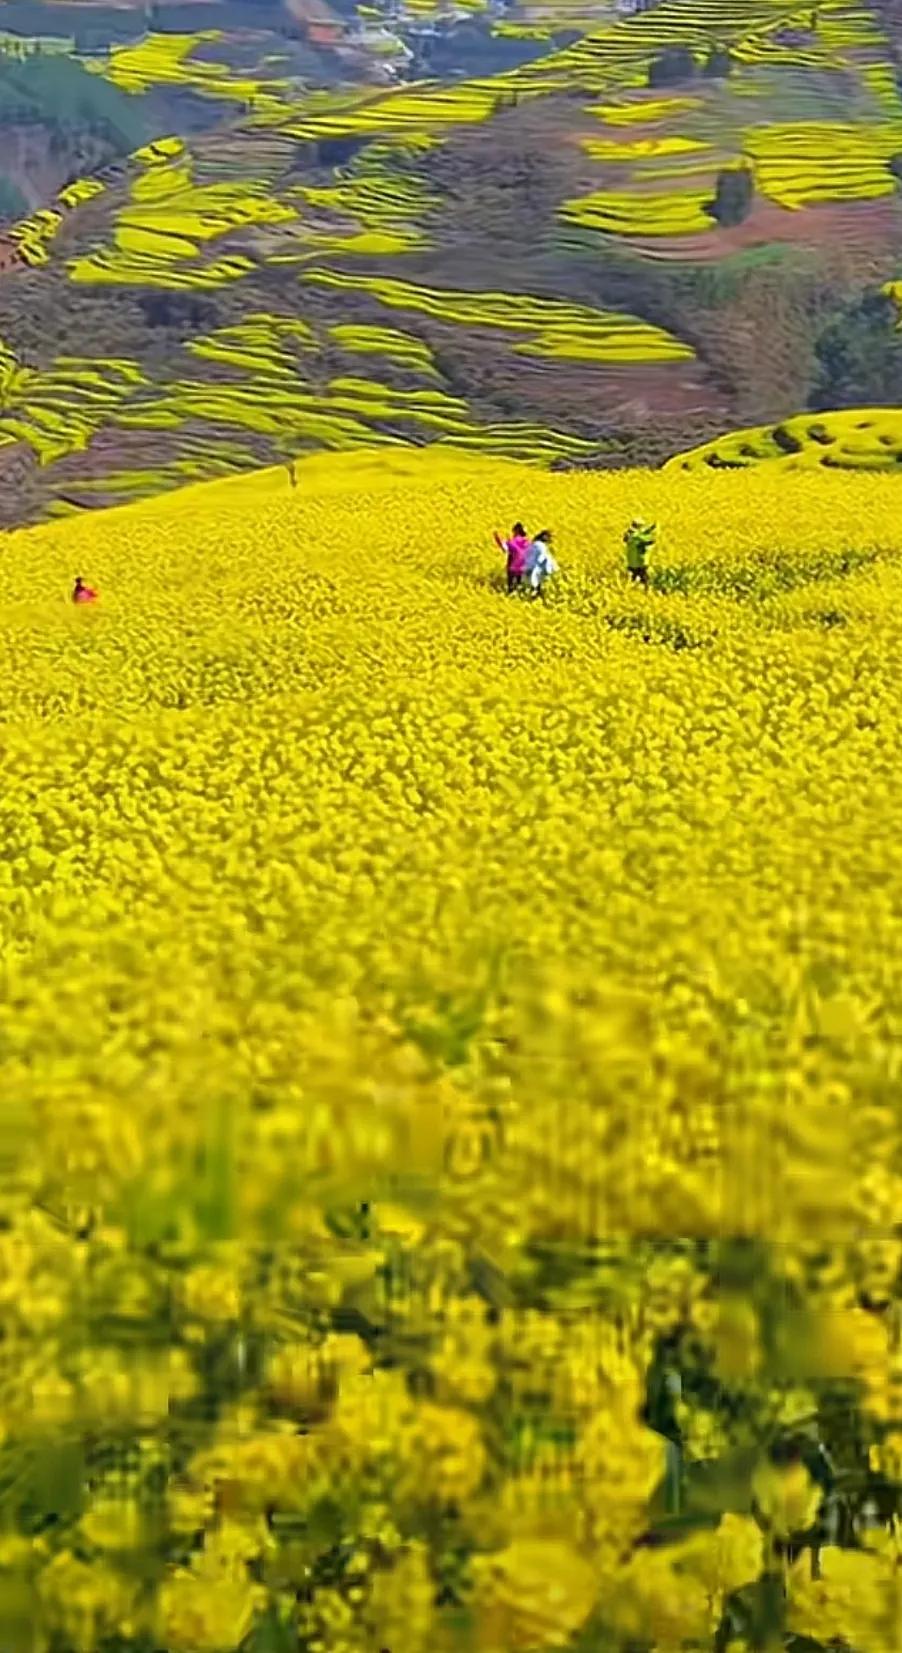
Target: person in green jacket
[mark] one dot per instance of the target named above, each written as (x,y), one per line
(639,539)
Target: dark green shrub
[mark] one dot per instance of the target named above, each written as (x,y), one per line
(786,441)
(674,65)
(734,196)
(719,64)
(859,356)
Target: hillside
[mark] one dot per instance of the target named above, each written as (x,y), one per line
(58,120)
(865,439)
(449,1067)
(672,226)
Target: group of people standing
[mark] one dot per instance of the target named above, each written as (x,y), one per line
(530,561)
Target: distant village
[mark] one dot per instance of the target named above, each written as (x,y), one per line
(21,46)
(385,41)
(391,34)
(391,38)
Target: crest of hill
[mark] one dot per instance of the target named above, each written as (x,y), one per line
(862,439)
(369,471)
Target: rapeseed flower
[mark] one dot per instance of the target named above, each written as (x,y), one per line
(855,1597)
(206,1610)
(787,1497)
(447,1110)
(533,1594)
(85,1602)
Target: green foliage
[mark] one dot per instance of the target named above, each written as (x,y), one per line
(473,49)
(12,202)
(674,66)
(859,357)
(734,195)
(719,64)
(338,151)
(189,313)
(786,440)
(57,92)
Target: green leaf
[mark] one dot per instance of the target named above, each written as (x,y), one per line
(216,1197)
(271,1635)
(724,1485)
(51,1486)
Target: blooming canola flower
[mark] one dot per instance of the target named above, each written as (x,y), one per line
(448,1059)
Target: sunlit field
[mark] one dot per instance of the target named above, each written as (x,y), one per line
(450,1171)
(276,388)
(858,439)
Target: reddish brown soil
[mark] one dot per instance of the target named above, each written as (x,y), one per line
(10,257)
(854,226)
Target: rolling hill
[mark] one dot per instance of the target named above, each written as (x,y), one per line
(676,223)
(864,439)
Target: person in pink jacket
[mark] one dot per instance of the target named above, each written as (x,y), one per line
(515,549)
(82,593)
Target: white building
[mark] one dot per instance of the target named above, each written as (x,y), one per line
(373,37)
(48,45)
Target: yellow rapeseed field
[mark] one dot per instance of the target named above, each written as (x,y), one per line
(450,1068)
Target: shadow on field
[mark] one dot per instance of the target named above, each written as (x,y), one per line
(766,575)
(760,580)
(827,618)
(498,584)
(658,629)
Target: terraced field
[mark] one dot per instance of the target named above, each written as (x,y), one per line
(270,379)
(866,439)
(553,329)
(174,60)
(518,228)
(662,185)
(161,230)
(58,411)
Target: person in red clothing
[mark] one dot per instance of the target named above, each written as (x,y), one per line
(515,550)
(82,593)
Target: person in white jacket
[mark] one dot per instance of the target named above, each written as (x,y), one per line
(539,562)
